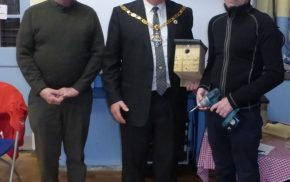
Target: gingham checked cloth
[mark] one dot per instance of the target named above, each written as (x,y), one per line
(274,167)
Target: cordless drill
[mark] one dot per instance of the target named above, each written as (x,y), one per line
(209,99)
(212,97)
(231,121)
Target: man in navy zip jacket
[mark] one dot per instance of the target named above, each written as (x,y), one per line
(245,62)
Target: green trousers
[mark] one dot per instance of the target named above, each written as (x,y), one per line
(53,126)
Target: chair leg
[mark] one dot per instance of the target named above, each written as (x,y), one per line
(14,156)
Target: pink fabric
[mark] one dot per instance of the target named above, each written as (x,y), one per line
(274,167)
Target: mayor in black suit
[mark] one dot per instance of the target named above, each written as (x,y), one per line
(142,90)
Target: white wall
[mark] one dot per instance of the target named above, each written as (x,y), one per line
(203,10)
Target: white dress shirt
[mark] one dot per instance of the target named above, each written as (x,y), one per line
(164,34)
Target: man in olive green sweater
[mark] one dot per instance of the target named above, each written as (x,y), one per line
(59,51)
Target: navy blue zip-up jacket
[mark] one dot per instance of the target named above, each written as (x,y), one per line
(245,59)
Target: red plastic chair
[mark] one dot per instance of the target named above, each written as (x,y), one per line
(13,113)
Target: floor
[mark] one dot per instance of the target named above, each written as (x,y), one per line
(26,167)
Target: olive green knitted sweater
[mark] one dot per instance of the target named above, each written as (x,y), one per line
(59,46)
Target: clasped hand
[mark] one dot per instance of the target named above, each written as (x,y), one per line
(56,97)
(222,108)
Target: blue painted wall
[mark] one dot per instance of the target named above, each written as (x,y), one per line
(9,71)
(103,146)
(279,107)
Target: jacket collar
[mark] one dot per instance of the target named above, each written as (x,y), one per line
(240,10)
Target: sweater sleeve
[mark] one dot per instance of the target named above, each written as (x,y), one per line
(112,60)
(273,73)
(25,54)
(205,80)
(94,64)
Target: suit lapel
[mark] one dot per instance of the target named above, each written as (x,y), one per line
(140,10)
(170,10)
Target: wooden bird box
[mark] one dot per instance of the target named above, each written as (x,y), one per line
(189,60)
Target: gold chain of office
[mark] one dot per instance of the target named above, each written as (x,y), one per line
(157,26)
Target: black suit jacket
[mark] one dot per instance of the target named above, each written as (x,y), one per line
(128,62)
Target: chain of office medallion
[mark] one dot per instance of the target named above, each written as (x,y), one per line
(155,27)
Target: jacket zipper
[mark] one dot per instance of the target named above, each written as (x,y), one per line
(226,55)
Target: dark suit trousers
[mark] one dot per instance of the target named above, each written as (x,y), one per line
(159,130)
(235,152)
(53,125)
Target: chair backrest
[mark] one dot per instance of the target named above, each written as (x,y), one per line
(13,113)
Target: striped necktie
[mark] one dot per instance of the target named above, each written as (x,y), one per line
(161,83)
